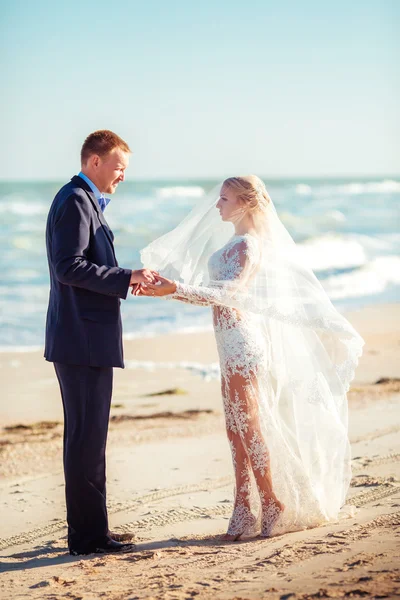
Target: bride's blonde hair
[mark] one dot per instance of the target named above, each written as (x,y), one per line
(250,190)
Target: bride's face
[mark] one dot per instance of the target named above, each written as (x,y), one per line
(230,208)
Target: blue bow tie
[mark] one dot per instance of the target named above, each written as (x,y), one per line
(103,201)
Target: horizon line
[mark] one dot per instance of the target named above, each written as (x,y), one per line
(220,178)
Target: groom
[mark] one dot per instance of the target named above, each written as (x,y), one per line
(84,331)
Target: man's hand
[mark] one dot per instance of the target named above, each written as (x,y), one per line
(162,288)
(135,289)
(143,276)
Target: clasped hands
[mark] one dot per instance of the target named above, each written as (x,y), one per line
(146,282)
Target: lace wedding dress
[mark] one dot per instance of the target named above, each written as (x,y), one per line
(289,474)
(287,358)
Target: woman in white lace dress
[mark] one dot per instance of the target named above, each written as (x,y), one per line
(286,358)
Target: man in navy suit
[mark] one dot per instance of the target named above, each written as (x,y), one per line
(84,331)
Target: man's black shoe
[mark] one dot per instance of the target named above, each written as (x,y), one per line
(105,547)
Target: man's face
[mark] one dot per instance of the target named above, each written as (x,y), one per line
(110,170)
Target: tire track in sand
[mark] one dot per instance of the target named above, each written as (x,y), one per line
(176,515)
(363,462)
(286,555)
(116,507)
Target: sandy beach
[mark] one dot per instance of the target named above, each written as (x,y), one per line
(170,482)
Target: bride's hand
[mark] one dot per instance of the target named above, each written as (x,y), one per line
(162,288)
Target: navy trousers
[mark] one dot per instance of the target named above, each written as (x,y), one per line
(86,396)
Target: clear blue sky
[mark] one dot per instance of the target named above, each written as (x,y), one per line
(210,88)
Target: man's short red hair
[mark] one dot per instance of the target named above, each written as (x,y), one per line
(102,142)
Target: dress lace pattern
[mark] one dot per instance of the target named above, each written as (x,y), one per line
(291,463)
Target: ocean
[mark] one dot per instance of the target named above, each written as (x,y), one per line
(348,230)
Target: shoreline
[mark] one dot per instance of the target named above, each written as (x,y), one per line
(131,336)
(127,337)
(182,360)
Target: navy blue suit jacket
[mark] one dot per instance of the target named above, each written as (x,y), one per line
(83,319)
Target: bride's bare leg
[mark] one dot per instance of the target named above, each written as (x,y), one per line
(245,406)
(242,518)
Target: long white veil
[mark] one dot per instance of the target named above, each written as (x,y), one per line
(312,349)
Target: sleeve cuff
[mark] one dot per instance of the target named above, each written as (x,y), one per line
(126,279)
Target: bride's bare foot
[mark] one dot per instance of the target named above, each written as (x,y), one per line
(272,510)
(280,505)
(241,522)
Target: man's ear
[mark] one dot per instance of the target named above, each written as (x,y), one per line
(95,160)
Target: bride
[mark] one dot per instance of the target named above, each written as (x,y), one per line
(286,356)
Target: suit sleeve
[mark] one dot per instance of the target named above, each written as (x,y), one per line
(70,244)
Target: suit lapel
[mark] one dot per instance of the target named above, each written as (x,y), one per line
(97,209)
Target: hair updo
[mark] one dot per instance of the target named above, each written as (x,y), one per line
(250,190)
